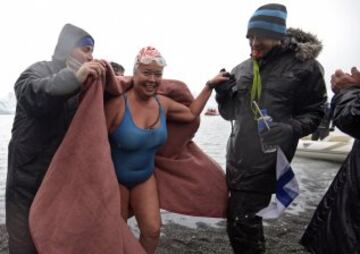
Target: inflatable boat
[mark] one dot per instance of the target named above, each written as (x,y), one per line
(335,147)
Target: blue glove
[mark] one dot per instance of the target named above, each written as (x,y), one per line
(279,134)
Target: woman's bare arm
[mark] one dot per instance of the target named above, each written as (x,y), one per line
(114,113)
(179,112)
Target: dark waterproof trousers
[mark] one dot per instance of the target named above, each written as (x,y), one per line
(17,224)
(244,228)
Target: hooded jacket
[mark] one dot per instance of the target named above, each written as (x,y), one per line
(335,226)
(46,95)
(293,92)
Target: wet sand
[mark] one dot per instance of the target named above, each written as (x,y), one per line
(282,237)
(205,238)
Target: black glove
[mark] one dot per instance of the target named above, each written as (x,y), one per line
(225,86)
(227,74)
(279,134)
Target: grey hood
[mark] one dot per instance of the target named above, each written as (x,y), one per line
(69,36)
(306,45)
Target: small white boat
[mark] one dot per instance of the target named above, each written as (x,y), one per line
(334,147)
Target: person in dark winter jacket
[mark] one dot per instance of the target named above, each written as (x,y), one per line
(282,77)
(335,225)
(47,97)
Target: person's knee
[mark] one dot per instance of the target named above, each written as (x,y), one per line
(151,231)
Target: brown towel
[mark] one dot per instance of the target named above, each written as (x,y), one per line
(189,181)
(77,208)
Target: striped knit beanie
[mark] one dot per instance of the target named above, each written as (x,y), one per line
(268,21)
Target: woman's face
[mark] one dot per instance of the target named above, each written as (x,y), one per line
(147,78)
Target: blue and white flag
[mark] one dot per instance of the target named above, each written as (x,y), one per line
(287,188)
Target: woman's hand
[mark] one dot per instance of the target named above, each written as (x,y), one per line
(218,79)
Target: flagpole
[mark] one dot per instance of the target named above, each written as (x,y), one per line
(261,114)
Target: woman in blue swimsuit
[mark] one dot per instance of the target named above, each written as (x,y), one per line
(137,126)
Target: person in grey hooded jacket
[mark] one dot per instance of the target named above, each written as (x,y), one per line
(47,97)
(283,78)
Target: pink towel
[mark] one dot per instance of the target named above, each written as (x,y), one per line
(77,208)
(189,181)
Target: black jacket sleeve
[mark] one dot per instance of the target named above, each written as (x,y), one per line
(346,111)
(310,101)
(42,91)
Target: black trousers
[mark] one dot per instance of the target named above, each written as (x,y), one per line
(17,225)
(244,228)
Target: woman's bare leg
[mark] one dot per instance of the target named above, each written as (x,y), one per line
(124,195)
(144,200)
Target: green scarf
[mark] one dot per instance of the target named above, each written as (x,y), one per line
(255,88)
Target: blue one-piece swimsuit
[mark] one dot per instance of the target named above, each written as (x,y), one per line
(133,149)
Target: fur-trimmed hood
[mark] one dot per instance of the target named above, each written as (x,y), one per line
(306,45)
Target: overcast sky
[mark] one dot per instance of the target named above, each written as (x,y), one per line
(197,38)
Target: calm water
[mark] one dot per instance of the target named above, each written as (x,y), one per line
(313,176)
(5,133)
